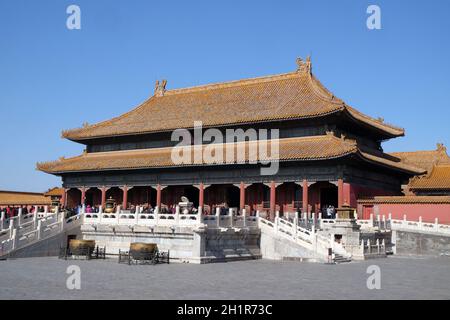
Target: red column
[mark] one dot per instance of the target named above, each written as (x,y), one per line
(103,197)
(305,195)
(83,195)
(272,200)
(201,196)
(158,196)
(347,195)
(242,196)
(125,197)
(340,193)
(64,198)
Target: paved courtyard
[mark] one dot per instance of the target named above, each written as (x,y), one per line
(401,278)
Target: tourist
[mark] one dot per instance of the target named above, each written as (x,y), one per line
(329,213)
(333,212)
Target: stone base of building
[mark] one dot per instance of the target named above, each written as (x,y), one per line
(185,244)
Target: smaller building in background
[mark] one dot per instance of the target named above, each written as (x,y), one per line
(426,196)
(11,201)
(56,195)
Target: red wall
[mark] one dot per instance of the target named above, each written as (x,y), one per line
(427,211)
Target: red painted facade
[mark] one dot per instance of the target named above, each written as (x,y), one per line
(428,211)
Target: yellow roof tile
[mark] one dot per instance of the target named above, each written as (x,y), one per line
(15,198)
(438,178)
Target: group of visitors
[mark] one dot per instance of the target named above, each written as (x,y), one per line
(11,211)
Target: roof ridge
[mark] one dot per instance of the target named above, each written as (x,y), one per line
(65,133)
(22,192)
(387,162)
(379,121)
(232,83)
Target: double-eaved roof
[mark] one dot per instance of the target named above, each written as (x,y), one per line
(295,95)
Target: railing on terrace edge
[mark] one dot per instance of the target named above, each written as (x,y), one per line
(122,217)
(27,229)
(382,223)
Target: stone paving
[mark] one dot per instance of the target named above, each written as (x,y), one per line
(401,278)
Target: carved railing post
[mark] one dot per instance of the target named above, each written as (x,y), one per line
(14,239)
(39,230)
(19,217)
(2,220)
(118,214)
(11,226)
(62,221)
(177,215)
(136,215)
(218,216)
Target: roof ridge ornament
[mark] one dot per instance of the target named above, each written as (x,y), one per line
(304,66)
(160,88)
(441,147)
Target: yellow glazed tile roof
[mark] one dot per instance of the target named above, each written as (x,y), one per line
(438,178)
(435,162)
(15,198)
(424,159)
(303,148)
(295,95)
(54,192)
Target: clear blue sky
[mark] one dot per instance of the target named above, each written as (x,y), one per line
(52,78)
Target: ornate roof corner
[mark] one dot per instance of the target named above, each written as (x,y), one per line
(304,66)
(160,88)
(343,136)
(64,133)
(441,148)
(42,166)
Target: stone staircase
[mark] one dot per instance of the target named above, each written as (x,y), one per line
(36,231)
(285,240)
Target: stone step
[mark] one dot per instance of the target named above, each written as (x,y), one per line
(341,259)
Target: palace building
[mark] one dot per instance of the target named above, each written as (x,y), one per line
(426,196)
(329,153)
